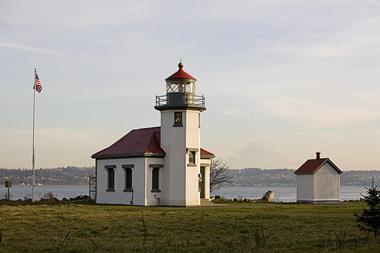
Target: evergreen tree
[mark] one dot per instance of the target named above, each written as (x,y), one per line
(369,220)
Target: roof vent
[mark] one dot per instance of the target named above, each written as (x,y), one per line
(318,155)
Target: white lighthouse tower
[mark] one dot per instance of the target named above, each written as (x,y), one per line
(180,139)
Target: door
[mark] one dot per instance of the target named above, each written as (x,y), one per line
(202,182)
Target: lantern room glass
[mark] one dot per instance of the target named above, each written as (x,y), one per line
(180,86)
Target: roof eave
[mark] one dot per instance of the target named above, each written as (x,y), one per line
(334,166)
(103,157)
(180,79)
(200,108)
(207,156)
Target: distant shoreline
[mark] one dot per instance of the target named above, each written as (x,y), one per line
(249,177)
(227,185)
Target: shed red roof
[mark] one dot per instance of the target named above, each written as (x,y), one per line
(139,143)
(180,74)
(313,165)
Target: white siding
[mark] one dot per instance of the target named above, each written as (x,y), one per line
(137,197)
(305,188)
(173,143)
(181,180)
(193,140)
(326,184)
(154,198)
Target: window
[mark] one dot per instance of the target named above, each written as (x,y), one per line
(177,118)
(110,178)
(192,157)
(128,178)
(155,179)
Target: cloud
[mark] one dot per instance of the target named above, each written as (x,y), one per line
(26,48)
(54,146)
(260,155)
(73,14)
(321,113)
(265,67)
(315,50)
(240,113)
(357,39)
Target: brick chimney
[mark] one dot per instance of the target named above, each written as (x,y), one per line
(318,155)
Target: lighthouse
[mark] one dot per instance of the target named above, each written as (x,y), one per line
(162,165)
(181,111)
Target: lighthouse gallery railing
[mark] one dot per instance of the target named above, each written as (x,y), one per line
(180,99)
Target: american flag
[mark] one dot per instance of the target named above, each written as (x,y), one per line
(37,83)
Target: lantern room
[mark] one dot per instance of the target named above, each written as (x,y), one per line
(180,82)
(180,92)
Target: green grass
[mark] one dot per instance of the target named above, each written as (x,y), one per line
(234,227)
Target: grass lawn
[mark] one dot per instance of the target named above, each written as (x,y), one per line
(235,227)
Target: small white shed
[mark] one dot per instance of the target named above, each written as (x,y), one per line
(318,180)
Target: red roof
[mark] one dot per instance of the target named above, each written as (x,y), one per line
(139,143)
(313,165)
(206,154)
(180,74)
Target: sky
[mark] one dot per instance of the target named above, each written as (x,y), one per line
(282,79)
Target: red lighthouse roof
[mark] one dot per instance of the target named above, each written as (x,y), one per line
(180,74)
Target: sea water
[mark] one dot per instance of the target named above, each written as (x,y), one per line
(282,194)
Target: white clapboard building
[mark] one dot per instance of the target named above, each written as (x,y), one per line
(162,165)
(318,180)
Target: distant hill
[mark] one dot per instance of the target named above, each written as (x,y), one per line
(286,177)
(54,176)
(260,177)
(242,177)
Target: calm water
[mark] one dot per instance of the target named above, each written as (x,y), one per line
(59,191)
(285,194)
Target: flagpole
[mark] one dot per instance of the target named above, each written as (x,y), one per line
(33,151)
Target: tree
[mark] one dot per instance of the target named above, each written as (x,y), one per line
(218,174)
(369,220)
